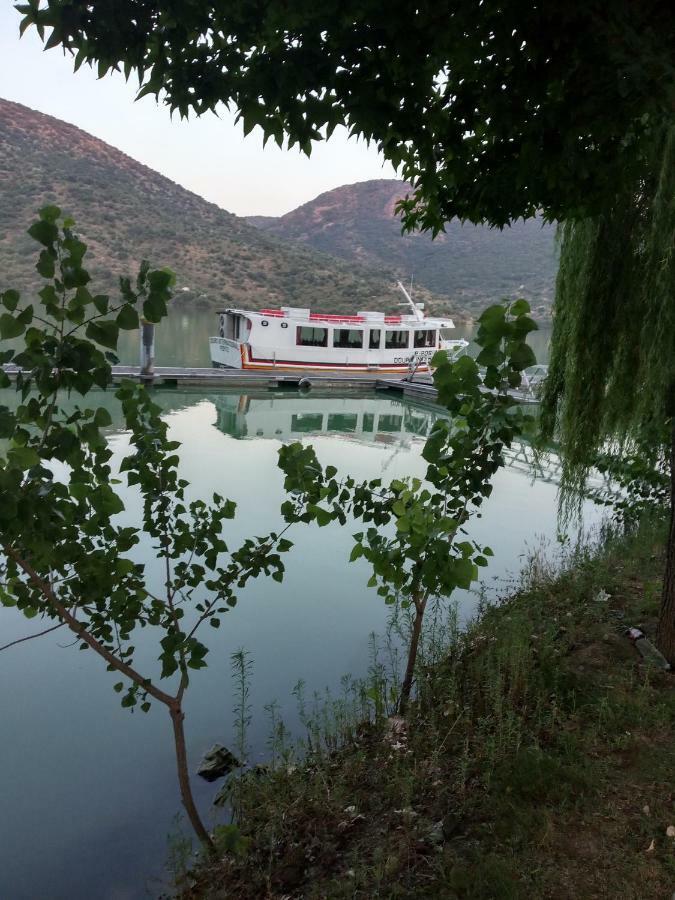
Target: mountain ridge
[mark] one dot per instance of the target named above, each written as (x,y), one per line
(126,212)
(471,265)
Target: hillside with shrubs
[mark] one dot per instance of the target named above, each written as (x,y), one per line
(473,266)
(127,212)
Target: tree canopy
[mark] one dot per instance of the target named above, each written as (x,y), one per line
(494,109)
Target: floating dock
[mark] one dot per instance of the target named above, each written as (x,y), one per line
(420,388)
(174,376)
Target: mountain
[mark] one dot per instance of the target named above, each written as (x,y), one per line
(126,212)
(472,265)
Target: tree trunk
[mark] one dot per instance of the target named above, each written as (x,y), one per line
(406,687)
(177,717)
(665,633)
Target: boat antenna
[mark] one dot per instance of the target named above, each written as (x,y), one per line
(419,315)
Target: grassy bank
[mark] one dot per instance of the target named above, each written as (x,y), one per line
(537,762)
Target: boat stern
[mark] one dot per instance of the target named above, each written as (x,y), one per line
(225,353)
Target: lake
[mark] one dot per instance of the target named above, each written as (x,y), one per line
(88,790)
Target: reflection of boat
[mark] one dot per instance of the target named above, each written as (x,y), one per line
(298,340)
(369,419)
(365,419)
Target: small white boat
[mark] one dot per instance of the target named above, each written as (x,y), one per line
(293,339)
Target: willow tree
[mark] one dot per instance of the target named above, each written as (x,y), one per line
(612,372)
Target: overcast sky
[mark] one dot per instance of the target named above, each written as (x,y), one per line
(208,155)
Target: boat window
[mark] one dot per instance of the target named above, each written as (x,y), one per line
(374,340)
(425,339)
(342,422)
(396,340)
(311,337)
(389,423)
(350,338)
(368,422)
(307,422)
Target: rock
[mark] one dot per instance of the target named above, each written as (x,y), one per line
(217,761)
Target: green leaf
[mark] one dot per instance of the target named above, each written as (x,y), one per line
(161,279)
(154,308)
(105,332)
(10,300)
(25,317)
(323,517)
(102,418)
(45,265)
(520,308)
(522,356)
(44,233)
(10,327)
(490,356)
(7,422)
(23,457)
(127,318)
(50,213)
(6,599)
(101,302)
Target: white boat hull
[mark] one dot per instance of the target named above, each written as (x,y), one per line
(229,354)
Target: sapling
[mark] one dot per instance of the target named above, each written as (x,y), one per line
(416,538)
(65,555)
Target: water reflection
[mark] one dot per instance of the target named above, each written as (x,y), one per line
(89,791)
(368,419)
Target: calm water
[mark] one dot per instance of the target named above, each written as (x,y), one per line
(87,790)
(183,340)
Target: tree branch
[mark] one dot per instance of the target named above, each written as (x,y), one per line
(30,637)
(80,630)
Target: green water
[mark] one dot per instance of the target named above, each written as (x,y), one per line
(88,790)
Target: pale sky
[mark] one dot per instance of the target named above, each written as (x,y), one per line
(208,155)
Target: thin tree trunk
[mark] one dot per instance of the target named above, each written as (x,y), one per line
(406,687)
(665,633)
(173,703)
(177,717)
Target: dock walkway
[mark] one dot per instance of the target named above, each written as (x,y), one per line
(420,388)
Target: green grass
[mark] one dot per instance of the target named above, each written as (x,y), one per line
(537,762)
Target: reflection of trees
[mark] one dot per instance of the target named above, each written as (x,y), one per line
(170,401)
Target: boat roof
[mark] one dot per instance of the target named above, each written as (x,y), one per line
(361,318)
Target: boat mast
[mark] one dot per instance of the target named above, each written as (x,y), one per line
(419,315)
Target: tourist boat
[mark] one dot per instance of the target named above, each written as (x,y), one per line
(293,339)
